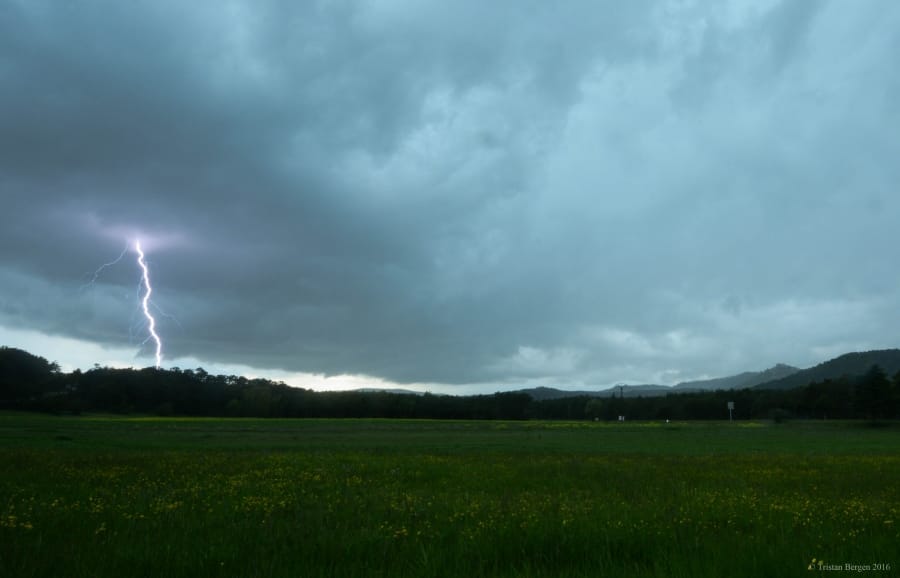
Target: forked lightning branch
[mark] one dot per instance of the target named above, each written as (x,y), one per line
(144,288)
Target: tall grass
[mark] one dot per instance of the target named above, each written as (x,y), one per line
(443,500)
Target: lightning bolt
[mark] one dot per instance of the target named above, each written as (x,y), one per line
(144,291)
(145,302)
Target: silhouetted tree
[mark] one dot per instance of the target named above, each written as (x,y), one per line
(873,394)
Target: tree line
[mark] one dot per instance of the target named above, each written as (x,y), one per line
(29,382)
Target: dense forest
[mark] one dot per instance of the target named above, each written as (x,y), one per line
(29,382)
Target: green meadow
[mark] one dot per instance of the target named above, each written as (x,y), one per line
(97,496)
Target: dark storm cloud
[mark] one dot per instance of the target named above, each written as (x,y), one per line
(456,193)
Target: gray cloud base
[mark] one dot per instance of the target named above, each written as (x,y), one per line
(641,191)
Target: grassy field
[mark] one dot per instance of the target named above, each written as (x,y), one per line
(115,496)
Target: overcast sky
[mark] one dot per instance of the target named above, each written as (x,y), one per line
(460,196)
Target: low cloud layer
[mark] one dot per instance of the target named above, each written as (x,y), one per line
(456,194)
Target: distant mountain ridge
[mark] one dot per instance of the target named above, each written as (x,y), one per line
(849,364)
(545,393)
(780,376)
(739,381)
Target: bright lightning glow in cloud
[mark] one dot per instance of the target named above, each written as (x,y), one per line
(145,303)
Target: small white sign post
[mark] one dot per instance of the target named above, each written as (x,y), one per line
(730,409)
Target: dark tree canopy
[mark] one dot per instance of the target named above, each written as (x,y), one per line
(23,375)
